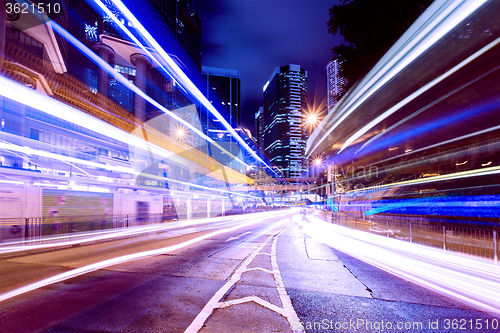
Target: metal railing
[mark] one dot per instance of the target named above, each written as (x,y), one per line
(47,228)
(480,242)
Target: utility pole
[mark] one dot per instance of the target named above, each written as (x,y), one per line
(281,196)
(331,181)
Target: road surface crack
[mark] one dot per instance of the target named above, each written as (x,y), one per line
(366,287)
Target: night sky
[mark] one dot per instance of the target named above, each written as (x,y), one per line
(256,36)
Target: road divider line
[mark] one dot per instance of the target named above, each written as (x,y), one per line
(287,311)
(213,303)
(290,313)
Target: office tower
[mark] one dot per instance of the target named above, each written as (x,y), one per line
(334,83)
(222,89)
(285,106)
(259,128)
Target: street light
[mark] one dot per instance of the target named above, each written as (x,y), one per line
(317,163)
(312,119)
(180,133)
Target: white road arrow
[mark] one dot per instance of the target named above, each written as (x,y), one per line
(233,238)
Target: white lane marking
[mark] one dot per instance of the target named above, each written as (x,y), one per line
(260,269)
(237,237)
(263,253)
(110,262)
(290,313)
(255,299)
(212,304)
(287,311)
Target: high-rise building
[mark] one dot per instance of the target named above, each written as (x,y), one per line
(175,25)
(285,106)
(335,84)
(172,23)
(222,89)
(259,128)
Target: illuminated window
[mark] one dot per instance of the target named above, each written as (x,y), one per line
(91,33)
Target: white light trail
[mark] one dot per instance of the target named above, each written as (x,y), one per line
(119,77)
(416,113)
(23,95)
(417,93)
(80,238)
(11,182)
(30,151)
(440,18)
(494,128)
(122,259)
(179,74)
(471,280)
(449,176)
(31,98)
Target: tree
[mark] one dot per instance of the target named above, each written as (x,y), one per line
(369,28)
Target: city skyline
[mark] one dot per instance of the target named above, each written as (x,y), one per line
(131,199)
(295,33)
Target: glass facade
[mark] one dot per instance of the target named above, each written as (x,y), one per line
(222,87)
(335,84)
(285,106)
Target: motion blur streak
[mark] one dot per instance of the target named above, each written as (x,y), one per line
(242,222)
(416,113)
(116,233)
(67,159)
(120,78)
(467,279)
(456,175)
(182,78)
(131,35)
(494,128)
(28,151)
(26,96)
(417,93)
(437,124)
(441,17)
(482,205)
(21,94)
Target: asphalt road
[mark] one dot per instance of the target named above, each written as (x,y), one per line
(334,292)
(228,281)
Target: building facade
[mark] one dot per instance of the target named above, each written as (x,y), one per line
(259,128)
(96,139)
(170,22)
(222,89)
(285,106)
(335,84)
